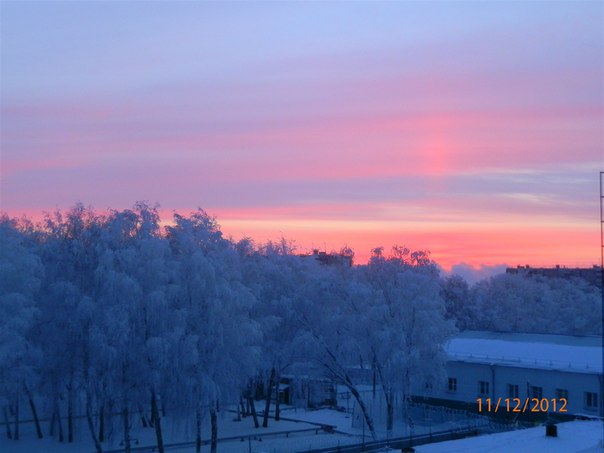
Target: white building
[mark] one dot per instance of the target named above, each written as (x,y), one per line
(513,365)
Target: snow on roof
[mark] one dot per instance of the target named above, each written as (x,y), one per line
(559,352)
(573,437)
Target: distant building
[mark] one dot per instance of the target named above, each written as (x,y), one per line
(330,259)
(306,391)
(564,374)
(592,275)
(514,365)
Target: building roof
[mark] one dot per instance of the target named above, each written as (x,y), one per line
(592,275)
(559,352)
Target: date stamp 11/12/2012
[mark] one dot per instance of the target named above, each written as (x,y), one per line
(493,405)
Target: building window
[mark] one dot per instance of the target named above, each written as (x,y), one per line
(536,392)
(483,387)
(562,393)
(512,391)
(591,400)
(452,384)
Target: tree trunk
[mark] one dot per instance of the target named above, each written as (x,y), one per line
(267,405)
(102,423)
(34,413)
(156,422)
(51,426)
(69,416)
(59,422)
(250,401)
(127,445)
(388,396)
(374,379)
(197,431)
(277,399)
(143,416)
(242,405)
(408,414)
(97,444)
(245,406)
(214,439)
(342,376)
(17,419)
(389,417)
(9,433)
(368,419)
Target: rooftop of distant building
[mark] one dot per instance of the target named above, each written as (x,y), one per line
(528,350)
(593,275)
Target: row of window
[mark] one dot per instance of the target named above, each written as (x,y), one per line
(590,398)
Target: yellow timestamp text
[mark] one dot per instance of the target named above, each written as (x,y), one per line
(495,405)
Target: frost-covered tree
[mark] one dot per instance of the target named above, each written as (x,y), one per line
(68,250)
(219,331)
(21,273)
(405,327)
(518,303)
(576,310)
(456,295)
(275,278)
(331,333)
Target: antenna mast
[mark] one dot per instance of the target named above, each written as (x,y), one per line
(602,287)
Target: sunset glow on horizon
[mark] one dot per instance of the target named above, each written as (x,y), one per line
(472,130)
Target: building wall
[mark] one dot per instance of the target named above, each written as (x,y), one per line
(468,376)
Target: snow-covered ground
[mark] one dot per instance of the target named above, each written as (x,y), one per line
(300,431)
(302,428)
(573,437)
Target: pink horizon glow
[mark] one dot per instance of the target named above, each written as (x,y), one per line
(471,244)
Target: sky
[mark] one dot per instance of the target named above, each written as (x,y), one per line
(473,130)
